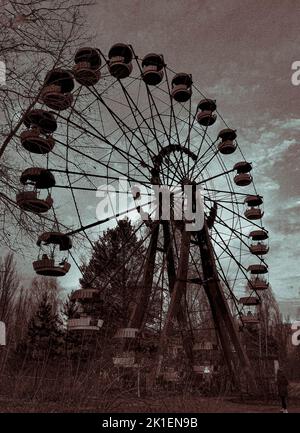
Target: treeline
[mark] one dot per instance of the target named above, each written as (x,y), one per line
(42,360)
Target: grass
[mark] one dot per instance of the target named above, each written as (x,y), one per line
(171,404)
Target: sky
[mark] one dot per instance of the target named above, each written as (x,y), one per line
(240,53)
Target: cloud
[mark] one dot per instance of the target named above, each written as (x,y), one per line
(286,220)
(285,170)
(289,124)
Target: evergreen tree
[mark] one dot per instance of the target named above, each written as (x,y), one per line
(115,269)
(69,308)
(44,333)
(74,341)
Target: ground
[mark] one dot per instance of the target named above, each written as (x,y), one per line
(171,404)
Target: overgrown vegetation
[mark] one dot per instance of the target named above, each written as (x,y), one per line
(44,363)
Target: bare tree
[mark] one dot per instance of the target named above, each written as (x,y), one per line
(9,286)
(36,36)
(18,303)
(22,313)
(41,286)
(269,311)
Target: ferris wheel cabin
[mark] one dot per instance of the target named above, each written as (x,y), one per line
(205,112)
(227,144)
(85,318)
(253,210)
(48,266)
(258,269)
(181,87)
(87,66)
(40,125)
(125,360)
(120,61)
(243,176)
(258,284)
(250,316)
(249,301)
(126,333)
(152,66)
(33,141)
(35,179)
(56,92)
(42,119)
(258,247)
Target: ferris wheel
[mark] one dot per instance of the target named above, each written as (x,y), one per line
(118,118)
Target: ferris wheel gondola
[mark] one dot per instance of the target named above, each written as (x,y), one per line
(56,92)
(47,263)
(35,179)
(87,66)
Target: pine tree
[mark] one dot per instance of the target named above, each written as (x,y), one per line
(44,333)
(69,308)
(115,269)
(73,341)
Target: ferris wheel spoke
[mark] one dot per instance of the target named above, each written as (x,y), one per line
(101,163)
(76,263)
(199,151)
(101,137)
(147,122)
(240,216)
(174,118)
(77,209)
(222,200)
(107,219)
(224,173)
(124,154)
(230,230)
(210,149)
(226,282)
(205,165)
(121,124)
(242,268)
(169,167)
(143,119)
(224,246)
(84,174)
(159,145)
(152,102)
(135,107)
(240,236)
(152,130)
(226,192)
(191,121)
